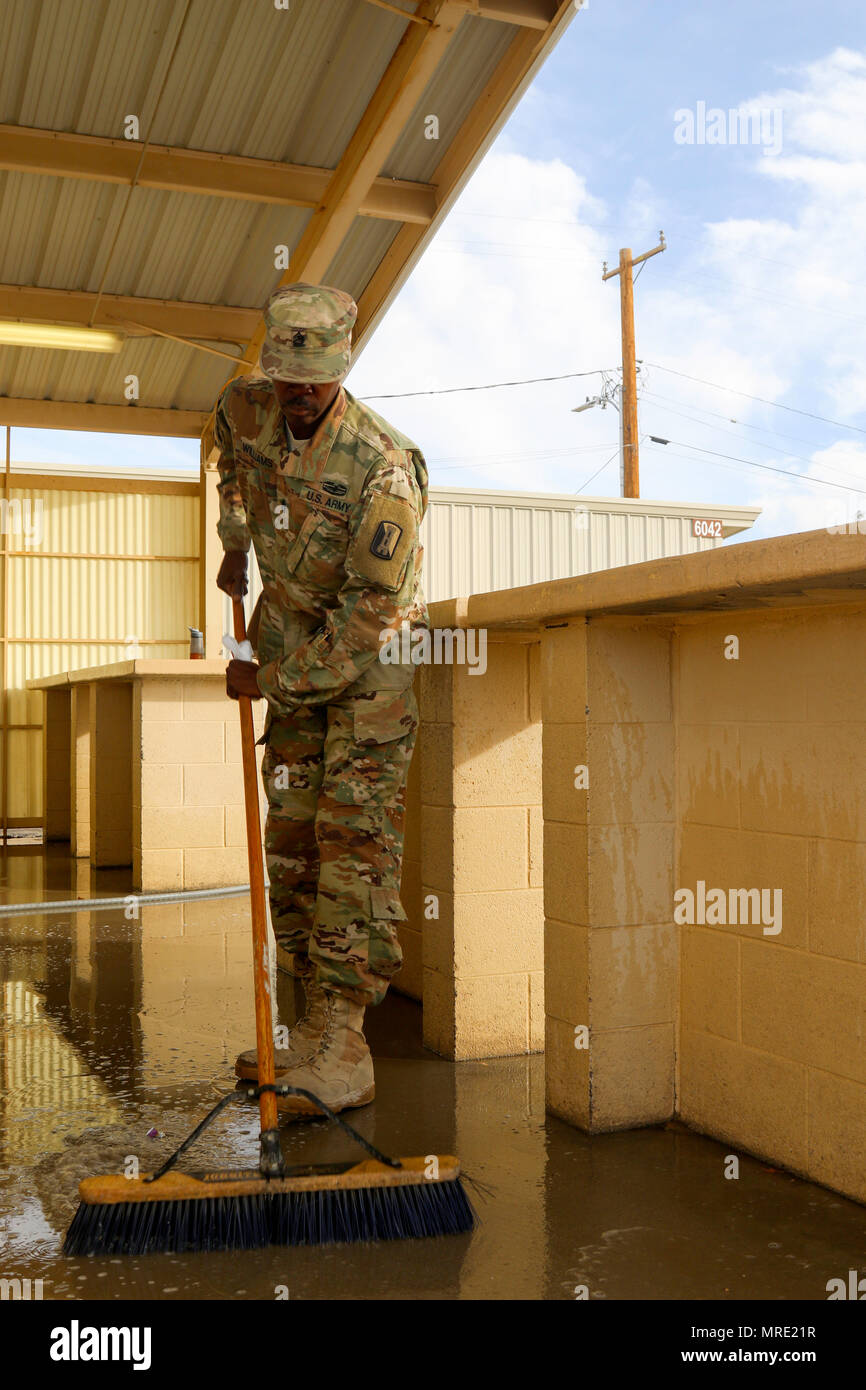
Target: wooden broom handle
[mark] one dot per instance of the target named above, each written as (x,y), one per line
(261,968)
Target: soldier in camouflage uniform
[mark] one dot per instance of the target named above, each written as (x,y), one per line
(332,497)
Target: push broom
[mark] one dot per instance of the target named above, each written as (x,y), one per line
(378,1198)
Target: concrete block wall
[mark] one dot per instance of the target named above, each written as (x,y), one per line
(56,765)
(772,766)
(79,769)
(610,942)
(110,774)
(187,785)
(472,883)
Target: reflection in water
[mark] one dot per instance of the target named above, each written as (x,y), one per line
(114,1025)
(46,1087)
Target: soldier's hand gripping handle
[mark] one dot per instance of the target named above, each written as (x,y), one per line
(232,577)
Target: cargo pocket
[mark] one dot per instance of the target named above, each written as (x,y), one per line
(370,756)
(385,903)
(386,913)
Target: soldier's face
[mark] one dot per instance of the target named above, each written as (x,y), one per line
(303,402)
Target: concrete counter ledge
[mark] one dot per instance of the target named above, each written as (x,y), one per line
(141,766)
(641,739)
(801,568)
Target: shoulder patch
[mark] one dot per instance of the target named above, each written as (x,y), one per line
(384,541)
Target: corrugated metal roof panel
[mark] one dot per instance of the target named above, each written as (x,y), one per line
(456,85)
(248,80)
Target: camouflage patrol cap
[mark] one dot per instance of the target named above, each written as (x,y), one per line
(308,333)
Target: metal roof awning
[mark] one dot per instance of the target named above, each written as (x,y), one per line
(255,127)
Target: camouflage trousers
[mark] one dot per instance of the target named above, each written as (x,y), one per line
(335,778)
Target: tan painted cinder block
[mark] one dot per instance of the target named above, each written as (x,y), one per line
(498,932)
(208,700)
(564,750)
(490,849)
(214,868)
(709,773)
(159,784)
(806,1008)
(630,875)
(436,765)
(566,1075)
(182,741)
(764,683)
(500,697)
(748,859)
(632,1077)
(504,772)
(628,670)
(633,976)
(837,1134)
(487,1016)
(492,1016)
(434,692)
(412,895)
(412,827)
(566,876)
(235,826)
(212,785)
(631,772)
(710,982)
(837,889)
(534,656)
(563,673)
(566,973)
(171,828)
(536,1011)
(437,848)
(535,830)
(438,933)
(804,779)
(159,699)
(439,994)
(748,1098)
(837,643)
(159,870)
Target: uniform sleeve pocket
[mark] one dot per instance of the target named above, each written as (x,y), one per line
(385,903)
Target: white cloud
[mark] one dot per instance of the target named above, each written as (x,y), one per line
(770,305)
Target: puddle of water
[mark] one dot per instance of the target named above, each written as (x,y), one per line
(113,1027)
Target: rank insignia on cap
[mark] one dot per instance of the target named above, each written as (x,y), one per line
(385,539)
(299,338)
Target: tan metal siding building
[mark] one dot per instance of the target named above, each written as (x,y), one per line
(113,570)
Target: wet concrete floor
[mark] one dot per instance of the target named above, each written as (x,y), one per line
(114,1026)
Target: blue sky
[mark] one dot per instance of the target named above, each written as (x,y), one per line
(761,288)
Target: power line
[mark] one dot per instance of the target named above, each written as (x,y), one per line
(840,424)
(846,473)
(746,424)
(490,386)
(598,470)
(480,461)
(769,467)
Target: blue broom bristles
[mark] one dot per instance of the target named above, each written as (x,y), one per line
(327,1216)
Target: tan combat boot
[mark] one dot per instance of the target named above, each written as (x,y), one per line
(341,1071)
(303,1040)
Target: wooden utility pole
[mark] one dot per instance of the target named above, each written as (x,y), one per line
(630,459)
